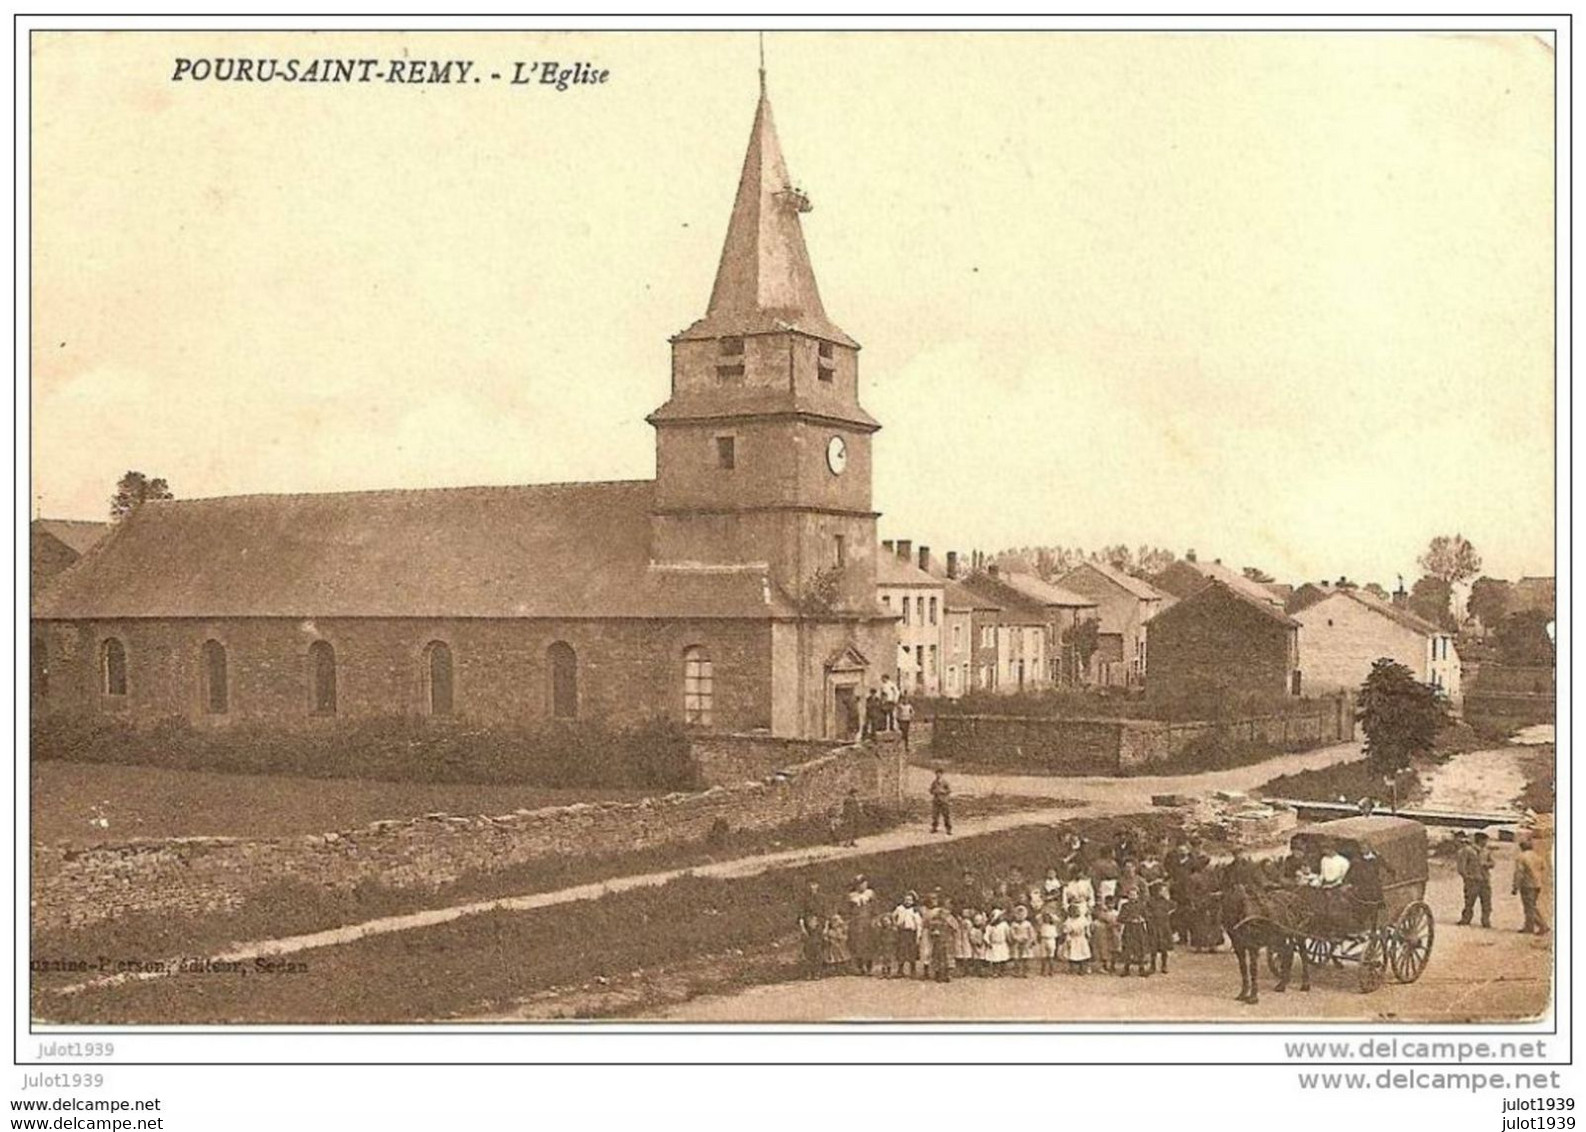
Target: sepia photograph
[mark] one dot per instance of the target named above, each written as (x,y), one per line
(771,525)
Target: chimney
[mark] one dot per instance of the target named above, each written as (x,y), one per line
(1189,555)
(1400,597)
(952,564)
(905,548)
(886,545)
(925,559)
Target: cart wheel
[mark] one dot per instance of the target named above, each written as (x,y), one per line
(1411,944)
(1371,964)
(1321,953)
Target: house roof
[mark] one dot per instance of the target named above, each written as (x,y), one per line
(1217,588)
(995,594)
(1045,593)
(891,570)
(1137,587)
(1179,580)
(960,596)
(78,534)
(764,282)
(550,550)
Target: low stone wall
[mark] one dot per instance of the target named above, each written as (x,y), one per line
(193,876)
(726,760)
(1111,746)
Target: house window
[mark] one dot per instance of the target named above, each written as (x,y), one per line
(726,452)
(729,373)
(322,677)
(919,609)
(564,680)
(438,677)
(933,660)
(698,686)
(933,611)
(732,347)
(217,693)
(39,669)
(957,637)
(919,665)
(113,667)
(842,549)
(905,609)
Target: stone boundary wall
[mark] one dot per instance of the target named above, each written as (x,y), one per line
(1111,746)
(192,876)
(729,759)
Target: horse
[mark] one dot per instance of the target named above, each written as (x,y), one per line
(1257,918)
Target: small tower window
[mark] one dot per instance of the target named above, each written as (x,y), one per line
(732,347)
(729,373)
(726,452)
(217,690)
(113,668)
(825,366)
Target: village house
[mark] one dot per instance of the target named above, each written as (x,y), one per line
(1023,620)
(54,544)
(736,590)
(917,598)
(1222,642)
(1344,632)
(1124,604)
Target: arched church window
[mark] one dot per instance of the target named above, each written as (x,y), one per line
(564,680)
(438,677)
(113,667)
(322,677)
(217,690)
(699,692)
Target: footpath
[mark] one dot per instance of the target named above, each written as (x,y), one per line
(1095,797)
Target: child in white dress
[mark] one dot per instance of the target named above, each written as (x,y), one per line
(1076,939)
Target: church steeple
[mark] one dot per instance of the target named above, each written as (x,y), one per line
(764,282)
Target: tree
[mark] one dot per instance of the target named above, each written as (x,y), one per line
(1453,559)
(133,490)
(1400,716)
(1149,560)
(1083,637)
(1376,591)
(1523,639)
(1489,601)
(1256,574)
(1119,557)
(1429,600)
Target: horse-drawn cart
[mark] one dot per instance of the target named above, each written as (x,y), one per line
(1390,936)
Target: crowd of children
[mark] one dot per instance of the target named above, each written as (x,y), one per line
(1101,909)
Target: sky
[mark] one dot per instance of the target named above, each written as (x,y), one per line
(1283,298)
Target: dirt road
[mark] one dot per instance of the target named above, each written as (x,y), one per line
(1474,974)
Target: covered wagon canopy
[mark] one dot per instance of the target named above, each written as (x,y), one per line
(1399,842)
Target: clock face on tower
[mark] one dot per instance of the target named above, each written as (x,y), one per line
(836,455)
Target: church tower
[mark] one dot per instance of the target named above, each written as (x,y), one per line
(763,450)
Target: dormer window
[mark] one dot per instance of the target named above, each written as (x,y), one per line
(732,347)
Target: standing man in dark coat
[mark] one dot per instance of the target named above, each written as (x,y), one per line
(1475,864)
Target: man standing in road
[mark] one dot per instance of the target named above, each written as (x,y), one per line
(904,713)
(1528,871)
(941,802)
(889,703)
(1474,863)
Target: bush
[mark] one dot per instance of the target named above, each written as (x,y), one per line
(652,754)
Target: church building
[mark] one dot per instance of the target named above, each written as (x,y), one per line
(735,591)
